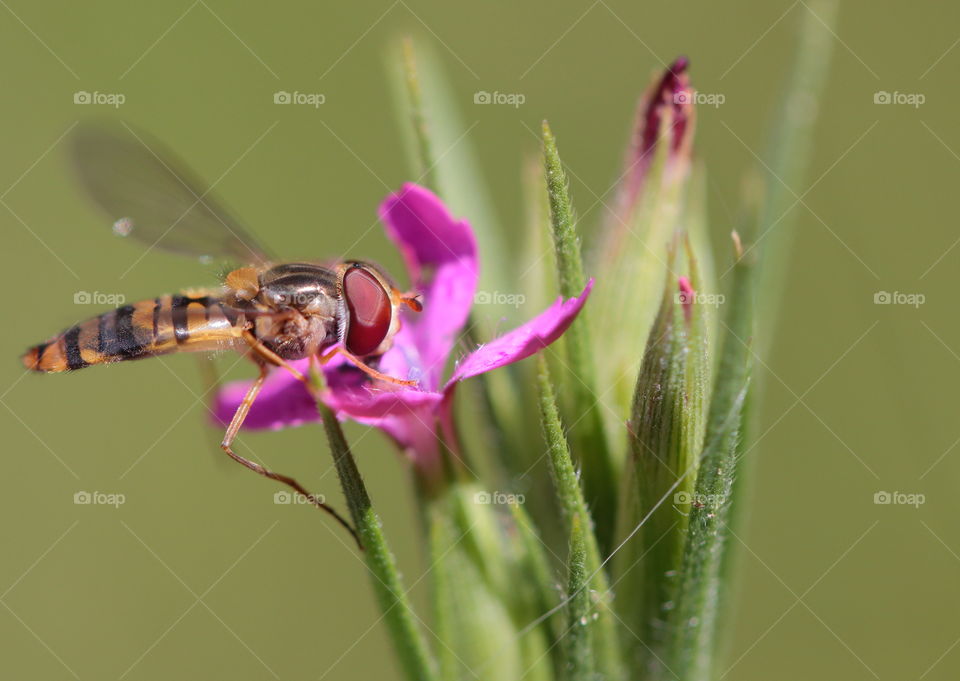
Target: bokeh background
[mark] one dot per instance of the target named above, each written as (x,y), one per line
(199,575)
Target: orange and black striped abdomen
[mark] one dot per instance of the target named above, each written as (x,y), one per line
(143,329)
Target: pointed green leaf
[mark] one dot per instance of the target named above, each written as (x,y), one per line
(665,435)
(479,606)
(790,149)
(590,441)
(693,620)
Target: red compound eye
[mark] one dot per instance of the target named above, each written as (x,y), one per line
(370,311)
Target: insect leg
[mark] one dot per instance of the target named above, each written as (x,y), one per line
(357,362)
(269,356)
(231,434)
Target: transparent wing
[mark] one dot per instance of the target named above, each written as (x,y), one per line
(151,196)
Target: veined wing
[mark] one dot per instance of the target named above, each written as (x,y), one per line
(154,199)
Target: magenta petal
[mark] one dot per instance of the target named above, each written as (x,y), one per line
(523,341)
(415,434)
(366,402)
(283,401)
(407,416)
(441,254)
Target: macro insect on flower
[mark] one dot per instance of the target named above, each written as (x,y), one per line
(274,312)
(285,315)
(441,257)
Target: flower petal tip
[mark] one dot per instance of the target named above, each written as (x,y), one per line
(525,340)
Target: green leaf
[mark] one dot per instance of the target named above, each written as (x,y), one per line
(790,149)
(692,623)
(415,657)
(599,624)
(590,441)
(772,217)
(535,571)
(426,163)
(565,238)
(665,436)
(481,593)
(440,141)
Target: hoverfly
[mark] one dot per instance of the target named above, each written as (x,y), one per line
(271,311)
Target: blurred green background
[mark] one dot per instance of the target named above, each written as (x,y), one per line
(199,575)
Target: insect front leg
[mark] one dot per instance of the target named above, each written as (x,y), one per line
(357,362)
(238,418)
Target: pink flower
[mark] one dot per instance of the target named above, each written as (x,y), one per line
(441,258)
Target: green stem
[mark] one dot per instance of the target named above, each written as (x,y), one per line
(408,641)
(579,659)
(602,633)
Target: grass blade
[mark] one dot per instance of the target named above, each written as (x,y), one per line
(480,576)
(426,163)
(790,149)
(445,158)
(665,436)
(692,622)
(590,441)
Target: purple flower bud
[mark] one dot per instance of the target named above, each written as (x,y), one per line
(664,116)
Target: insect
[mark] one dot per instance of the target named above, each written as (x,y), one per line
(273,312)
